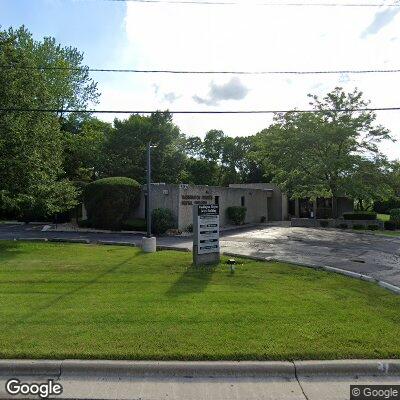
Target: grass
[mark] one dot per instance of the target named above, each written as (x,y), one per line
(387,233)
(383,217)
(87,301)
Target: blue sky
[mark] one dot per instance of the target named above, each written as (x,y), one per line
(94,27)
(241,37)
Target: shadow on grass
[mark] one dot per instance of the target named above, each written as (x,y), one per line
(9,250)
(70,293)
(192,280)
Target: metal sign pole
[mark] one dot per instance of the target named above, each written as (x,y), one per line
(148,222)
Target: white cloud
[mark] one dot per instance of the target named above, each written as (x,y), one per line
(199,37)
(231,90)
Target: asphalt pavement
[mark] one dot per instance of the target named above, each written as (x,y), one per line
(372,255)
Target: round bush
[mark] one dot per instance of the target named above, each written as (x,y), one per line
(110,201)
(360,215)
(236,214)
(161,220)
(395,216)
(324,223)
(390,225)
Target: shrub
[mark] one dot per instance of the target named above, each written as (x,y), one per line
(324,223)
(134,224)
(109,201)
(84,223)
(189,228)
(384,207)
(390,225)
(395,216)
(236,214)
(161,220)
(343,226)
(373,227)
(360,215)
(358,227)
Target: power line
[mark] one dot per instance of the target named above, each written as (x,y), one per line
(48,110)
(168,71)
(271,4)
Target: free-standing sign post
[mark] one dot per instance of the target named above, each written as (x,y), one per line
(206,234)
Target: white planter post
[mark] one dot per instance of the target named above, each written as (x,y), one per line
(149,243)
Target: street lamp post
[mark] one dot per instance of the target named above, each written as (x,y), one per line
(149,244)
(148,216)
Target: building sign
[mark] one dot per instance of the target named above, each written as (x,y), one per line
(207,232)
(193,199)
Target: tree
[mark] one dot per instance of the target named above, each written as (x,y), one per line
(32,181)
(84,148)
(319,154)
(201,172)
(125,148)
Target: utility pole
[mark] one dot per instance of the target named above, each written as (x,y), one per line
(149,244)
(148,202)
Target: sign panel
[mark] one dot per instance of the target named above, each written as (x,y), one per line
(207,229)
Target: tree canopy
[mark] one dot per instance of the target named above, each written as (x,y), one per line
(326,153)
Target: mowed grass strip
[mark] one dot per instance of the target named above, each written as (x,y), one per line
(108,302)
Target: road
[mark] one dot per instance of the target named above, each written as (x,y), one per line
(372,255)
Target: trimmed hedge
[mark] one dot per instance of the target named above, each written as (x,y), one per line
(395,216)
(236,214)
(110,201)
(390,225)
(358,227)
(162,220)
(360,215)
(384,207)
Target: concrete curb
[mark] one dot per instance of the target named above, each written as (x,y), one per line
(175,248)
(351,274)
(193,369)
(112,243)
(66,240)
(179,368)
(33,240)
(347,367)
(30,367)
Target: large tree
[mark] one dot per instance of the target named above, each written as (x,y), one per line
(125,148)
(325,153)
(32,180)
(229,157)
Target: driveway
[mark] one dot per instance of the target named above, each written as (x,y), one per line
(368,254)
(373,255)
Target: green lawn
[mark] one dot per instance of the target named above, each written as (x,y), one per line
(383,217)
(88,301)
(387,233)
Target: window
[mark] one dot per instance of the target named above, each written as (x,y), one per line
(242,201)
(216,200)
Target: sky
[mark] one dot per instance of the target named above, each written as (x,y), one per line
(247,36)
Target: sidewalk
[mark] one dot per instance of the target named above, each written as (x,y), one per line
(220,380)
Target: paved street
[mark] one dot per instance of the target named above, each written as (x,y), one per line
(372,255)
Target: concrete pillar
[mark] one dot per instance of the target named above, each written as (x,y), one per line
(315,208)
(296,208)
(84,212)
